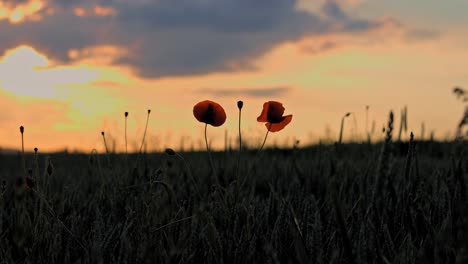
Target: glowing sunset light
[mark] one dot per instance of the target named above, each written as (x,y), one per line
(104,11)
(319,58)
(80,12)
(21,12)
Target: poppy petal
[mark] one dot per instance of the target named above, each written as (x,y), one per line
(219,116)
(210,113)
(264,115)
(275,127)
(275,112)
(200,110)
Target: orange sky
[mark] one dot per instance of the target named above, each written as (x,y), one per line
(67,103)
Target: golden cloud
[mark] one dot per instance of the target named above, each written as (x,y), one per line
(22,12)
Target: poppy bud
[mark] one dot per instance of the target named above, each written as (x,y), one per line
(126,114)
(149,111)
(170,152)
(240,104)
(102,133)
(22,129)
(35,150)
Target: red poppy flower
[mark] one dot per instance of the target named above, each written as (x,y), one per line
(272,113)
(210,113)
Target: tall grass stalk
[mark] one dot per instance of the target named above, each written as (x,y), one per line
(423,131)
(342,227)
(403,122)
(54,215)
(142,141)
(258,152)
(340,139)
(171,152)
(383,169)
(367,124)
(107,149)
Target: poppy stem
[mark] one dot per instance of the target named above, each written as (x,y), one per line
(239,156)
(22,150)
(257,154)
(126,145)
(209,152)
(264,140)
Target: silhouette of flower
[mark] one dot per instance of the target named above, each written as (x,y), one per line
(272,113)
(209,112)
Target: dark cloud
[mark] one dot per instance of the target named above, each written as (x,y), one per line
(180,37)
(252,92)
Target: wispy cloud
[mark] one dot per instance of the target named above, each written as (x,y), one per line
(249,92)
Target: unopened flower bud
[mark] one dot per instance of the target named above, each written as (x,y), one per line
(240,104)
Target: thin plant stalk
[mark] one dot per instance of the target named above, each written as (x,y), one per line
(187,168)
(367,125)
(340,140)
(367,119)
(107,149)
(403,123)
(264,140)
(209,152)
(126,141)
(22,149)
(54,215)
(126,148)
(239,154)
(257,154)
(423,131)
(143,140)
(146,129)
(36,167)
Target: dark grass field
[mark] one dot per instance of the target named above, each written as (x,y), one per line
(388,202)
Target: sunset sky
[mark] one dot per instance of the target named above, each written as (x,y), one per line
(70,69)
